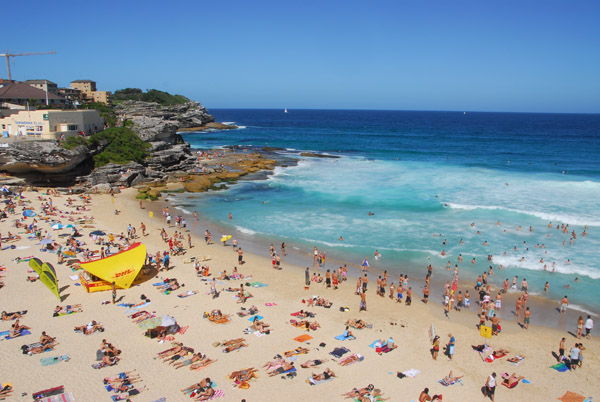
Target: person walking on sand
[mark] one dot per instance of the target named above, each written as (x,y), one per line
(589,325)
(307,277)
(436,347)
(450,346)
(114,293)
(564,303)
(490,386)
(526,317)
(240,256)
(561,349)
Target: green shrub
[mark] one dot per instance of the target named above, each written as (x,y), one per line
(151,95)
(123,146)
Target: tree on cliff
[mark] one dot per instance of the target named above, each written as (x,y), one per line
(151,95)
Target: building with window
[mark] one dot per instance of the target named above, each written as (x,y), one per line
(85,86)
(44,85)
(49,124)
(16,93)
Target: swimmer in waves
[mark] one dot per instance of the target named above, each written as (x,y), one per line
(265,202)
(371,213)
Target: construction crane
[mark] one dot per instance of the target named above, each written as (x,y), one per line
(9,55)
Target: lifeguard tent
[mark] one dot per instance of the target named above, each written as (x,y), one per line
(121,268)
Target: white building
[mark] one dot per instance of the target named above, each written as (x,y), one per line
(49,124)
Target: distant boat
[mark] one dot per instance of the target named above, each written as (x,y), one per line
(285,110)
(464,112)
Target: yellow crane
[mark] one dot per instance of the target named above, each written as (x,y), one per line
(9,55)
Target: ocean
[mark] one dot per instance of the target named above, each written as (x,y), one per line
(481,185)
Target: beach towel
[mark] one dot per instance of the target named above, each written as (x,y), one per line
(183,330)
(372,345)
(270,304)
(49,361)
(312,381)
(570,396)
(339,352)
(303,338)
(491,358)
(346,361)
(411,372)
(74,277)
(280,370)
(22,333)
(49,392)
(258,284)
(189,293)
(343,338)
(257,317)
(66,397)
(69,313)
(560,367)
(520,359)
(446,383)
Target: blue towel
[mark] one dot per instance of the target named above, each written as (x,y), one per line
(343,338)
(258,317)
(525,381)
(4,333)
(373,344)
(23,333)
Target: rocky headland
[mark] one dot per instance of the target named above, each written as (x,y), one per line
(169,158)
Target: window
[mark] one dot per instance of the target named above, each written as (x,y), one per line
(72,127)
(39,128)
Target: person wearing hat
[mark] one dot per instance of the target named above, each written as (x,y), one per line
(436,347)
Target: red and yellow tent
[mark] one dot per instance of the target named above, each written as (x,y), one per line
(121,268)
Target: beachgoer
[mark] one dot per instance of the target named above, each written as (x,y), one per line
(490,386)
(589,325)
(564,303)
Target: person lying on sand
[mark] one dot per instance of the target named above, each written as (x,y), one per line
(511,381)
(199,365)
(6,391)
(199,385)
(243,375)
(282,369)
(251,311)
(179,355)
(515,359)
(68,309)
(18,327)
(167,354)
(325,375)
(274,364)
(305,324)
(124,396)
(298,351)
(205,394)
(12,316)
(357,324)
(126,375)
(90,328)
(304,314)
(38,348)
(235,346)
(450,378)
(313,363)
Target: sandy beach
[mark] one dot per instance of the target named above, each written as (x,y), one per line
(408,325)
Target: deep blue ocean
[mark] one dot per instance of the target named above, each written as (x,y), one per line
(494,180)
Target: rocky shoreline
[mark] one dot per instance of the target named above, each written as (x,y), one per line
(43,163)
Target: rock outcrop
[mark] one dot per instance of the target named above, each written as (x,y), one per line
(40,157)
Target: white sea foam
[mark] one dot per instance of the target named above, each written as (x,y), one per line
(547,216)
(244,230)
(532,264)
(182,209)
(228,123)
(582,309)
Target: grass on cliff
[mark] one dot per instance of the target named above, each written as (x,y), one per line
(105,111)
(151,95)
(122,146)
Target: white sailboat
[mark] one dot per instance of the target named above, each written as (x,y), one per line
(285,110)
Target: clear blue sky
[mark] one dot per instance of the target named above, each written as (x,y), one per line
(540,56)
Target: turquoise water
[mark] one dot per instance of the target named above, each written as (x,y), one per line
(427,177)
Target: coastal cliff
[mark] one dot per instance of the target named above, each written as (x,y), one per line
(167,157)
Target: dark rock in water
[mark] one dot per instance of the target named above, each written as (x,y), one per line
(271,149)
(314,155)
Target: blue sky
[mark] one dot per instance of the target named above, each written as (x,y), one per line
(539,56)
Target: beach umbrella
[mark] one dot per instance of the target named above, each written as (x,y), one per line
(70,225)
(167,321)
(97,233)
(46,241)
(225,238)
(57,226)
(69,253)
